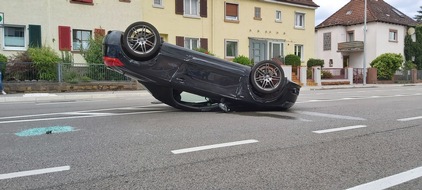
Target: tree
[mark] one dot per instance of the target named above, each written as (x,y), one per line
(418,17)
(413,50)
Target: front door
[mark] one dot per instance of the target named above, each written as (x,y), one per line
(257,50)
(346,60)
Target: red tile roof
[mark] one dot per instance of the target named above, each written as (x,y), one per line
(378,11)
(300,2)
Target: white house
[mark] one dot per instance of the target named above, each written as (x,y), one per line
(339,39)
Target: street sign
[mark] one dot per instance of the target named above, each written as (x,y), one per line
(1,18)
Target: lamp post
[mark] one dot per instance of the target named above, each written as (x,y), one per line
(364,45)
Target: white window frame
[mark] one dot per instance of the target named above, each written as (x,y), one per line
(231,18)
(190,10)
(299,48)
(393,35)
(300,20)
(158,3)
(16,48)
(271,49)
(236,50)
(278,16)
(84,42)
(189,42)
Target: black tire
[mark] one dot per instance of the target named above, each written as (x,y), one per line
(141,41)
(267,77)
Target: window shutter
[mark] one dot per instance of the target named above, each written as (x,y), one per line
(64,38)
(180,41)
(179,7)
(204,43)
(203,9)
(231,9)
(99,32)
(35,36)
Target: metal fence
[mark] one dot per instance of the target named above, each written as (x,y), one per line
(334,73)
(62,72)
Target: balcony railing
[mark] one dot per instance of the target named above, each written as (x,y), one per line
(355,46)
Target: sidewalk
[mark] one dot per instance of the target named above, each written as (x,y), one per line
(39,97)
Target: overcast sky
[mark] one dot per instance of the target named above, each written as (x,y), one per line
(328,7)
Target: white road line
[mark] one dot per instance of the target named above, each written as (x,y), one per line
(390,181)
(339,129)
(410,118)
(82,111)
(77,117)
(33,172)
(199,148)
(331,115)
(357,98)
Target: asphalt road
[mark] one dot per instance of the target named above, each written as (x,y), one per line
(362,138)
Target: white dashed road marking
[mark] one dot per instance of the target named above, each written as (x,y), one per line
(207,147)
(391,181)
(339,129)
(33,172)
(331,115)
(410,118)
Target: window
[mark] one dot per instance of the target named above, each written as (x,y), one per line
(350,36)
(232,12)
(81,39)
(299,51)
(393,36)
(191,7)
(231,48)
(276,50)
(278,16)
(257,13)
(191,43)
(327,41)
(14,37)
(158,3)
(299,20)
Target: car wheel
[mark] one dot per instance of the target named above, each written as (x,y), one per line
(141,41)
(267,77)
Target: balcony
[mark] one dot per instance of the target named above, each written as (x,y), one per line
(355,46)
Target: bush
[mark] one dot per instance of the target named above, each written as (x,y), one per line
(202,50)
(3,61)
(409,65)
(292,60)
(243,60)
(326,75)
(45,60)
(387,64)
(94,53)
(315,62)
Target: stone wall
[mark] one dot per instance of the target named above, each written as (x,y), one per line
(46,87)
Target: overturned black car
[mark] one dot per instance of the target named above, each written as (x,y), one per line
(168,71)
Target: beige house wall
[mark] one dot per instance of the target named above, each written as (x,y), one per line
(217,30)
(170,25)
(50,14)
